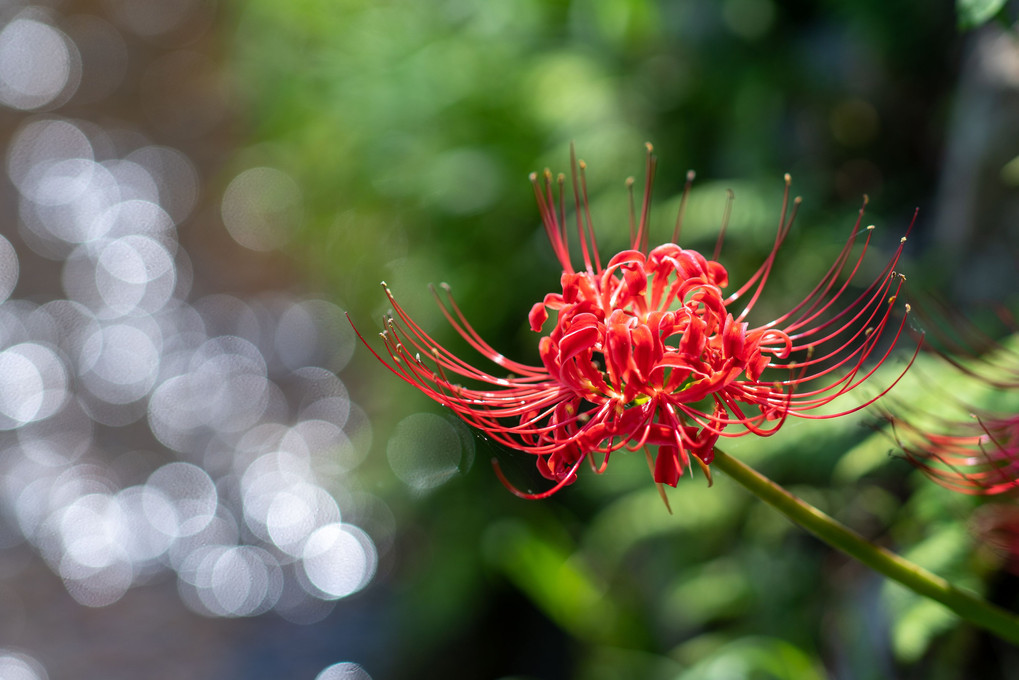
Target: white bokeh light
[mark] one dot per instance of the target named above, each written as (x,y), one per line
(135,274)
(294,513)
(345,670)
(221,529)
(9,268)
(145,509)
(184,499)
(338,560)
(20,666)
(236,478)
(135,217)
(37,64)
(21,389)
(64,181)
(40,143)
(426,450)
(230,581)
(64,201)
(124,362)
(59,440)
(89,549)
(261,208)
(33,384)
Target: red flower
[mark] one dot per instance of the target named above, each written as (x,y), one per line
(980,456)
(648,351)
(977,453)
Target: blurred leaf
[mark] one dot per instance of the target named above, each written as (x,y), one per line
(916,620)
(698,511)
(756,658)
(557,581)
(870,454)
(916,626)
(1010,172)
(974,13)
(613,663)
(716,589)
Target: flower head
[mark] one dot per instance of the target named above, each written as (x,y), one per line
(963,447)
(651,350)
(979,456)
(977,451)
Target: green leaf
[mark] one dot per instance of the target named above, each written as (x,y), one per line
(1010,172)
(698,512)
(557,581)
(916,621)
(756,657)
(975,13)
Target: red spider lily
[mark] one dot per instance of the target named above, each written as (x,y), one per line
(977,454)
(980,456)
(647,351)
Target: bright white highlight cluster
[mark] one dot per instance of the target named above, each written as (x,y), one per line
(235,473)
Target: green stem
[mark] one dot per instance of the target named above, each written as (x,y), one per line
(970,607)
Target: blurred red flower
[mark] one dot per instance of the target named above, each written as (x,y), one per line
(976,453)
(980,456)
(648,351)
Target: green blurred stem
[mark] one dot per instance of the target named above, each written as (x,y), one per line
(970,607)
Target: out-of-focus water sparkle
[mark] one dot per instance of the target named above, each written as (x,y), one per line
(345,670)
(249,433)
(37,64)
(19,666)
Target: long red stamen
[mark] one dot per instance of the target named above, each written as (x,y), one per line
(645,351)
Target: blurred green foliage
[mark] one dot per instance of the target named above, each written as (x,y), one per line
(975,13)
(411,126)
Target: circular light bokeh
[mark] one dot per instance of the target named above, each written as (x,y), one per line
(143,432)
(37,64)
(345,670)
